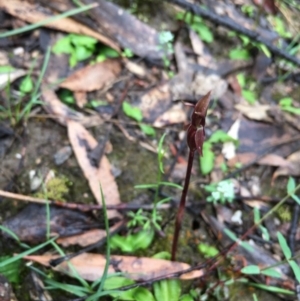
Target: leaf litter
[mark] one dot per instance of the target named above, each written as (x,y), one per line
(267,136)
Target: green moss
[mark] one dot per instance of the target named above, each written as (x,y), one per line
(284,213)
(57,188)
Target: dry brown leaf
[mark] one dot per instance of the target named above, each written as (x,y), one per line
(91,266)
(292,168)
(93,77)
(172,116)
(34,12)
(61,113)
(83,142)
(255,112)
(85,239)
(81,99)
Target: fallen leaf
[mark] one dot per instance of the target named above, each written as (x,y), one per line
(95,172)
(34,12)
(93,77)
(61,113)
(172,116)
(81,99)
(87,238)
(91,266)
(292,168)
(255,112)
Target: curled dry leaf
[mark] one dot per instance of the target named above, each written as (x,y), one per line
(87,238)
(93,77)
(61,113)
(256,112)
(34,12)
(95,172)
(172,116)
(292,168)
(91,266)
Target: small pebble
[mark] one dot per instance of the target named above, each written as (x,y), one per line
(62,155)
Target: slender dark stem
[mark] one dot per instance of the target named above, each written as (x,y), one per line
(182,204)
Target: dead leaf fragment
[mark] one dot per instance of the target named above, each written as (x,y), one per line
(255,112)
(34,13)
(290,169)
(93,77)
(91,266)
(99,172)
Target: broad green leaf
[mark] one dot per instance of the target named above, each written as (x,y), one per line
(250,96)
(108,52)
(284,246)
(186,297)
(66,96)
(295,268)
(220,136)
(147,129)
(63,46)
(251,270)
(271,272)
(26,85)
(207,160)
(116,282)
(241,79)
(81,40)
(204,32)
(295,198)
(162,255)
(239,54)
(207,250)
(286,102)
(142,294)
(167,290)
(82,53)
(132,112)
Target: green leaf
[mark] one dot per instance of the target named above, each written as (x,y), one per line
(167,290)
(250,96)
(295,269)
(273,289)
(291,185)
(82,40)
(142,294)
(295,198)
(162,255)
(26,85)
(239,54)
(204,32)
(133,242)
(286,102)
(186,297)
(251,270)
(292,110)
(241,79)
(147,129)
(116,282)
(82,53)
(6,69)
(207,160)
(66,97)
(284,246)
(271,272)
(132,112)
(207,250)
(220,136)
(11,271)
(63,45)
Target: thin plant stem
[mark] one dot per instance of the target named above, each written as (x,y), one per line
(182,203)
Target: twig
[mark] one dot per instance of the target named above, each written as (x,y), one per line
(230,24)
